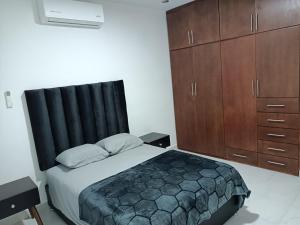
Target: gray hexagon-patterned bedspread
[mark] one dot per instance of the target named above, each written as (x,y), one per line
(172,188)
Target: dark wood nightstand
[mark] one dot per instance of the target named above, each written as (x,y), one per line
(17,196)
(157,139)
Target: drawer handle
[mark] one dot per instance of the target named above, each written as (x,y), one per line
(240,156)
(276,135)
(276,163)
(276,106)
(277,149)
(13,206)
(160,144)
(275,121)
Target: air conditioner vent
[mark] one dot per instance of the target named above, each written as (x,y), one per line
(71,13)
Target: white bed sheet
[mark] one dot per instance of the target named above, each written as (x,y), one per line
(65,185)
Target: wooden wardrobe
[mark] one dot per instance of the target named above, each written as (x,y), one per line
(235,69)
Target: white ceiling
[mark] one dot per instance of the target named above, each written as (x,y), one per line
(156,3)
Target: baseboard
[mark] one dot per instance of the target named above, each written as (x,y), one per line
(172,147)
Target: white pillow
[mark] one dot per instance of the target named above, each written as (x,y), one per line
(81,155)
(119,143)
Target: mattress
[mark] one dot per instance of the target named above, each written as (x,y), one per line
(65,185)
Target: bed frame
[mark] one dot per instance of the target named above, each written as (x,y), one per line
(66,117)
(218,218)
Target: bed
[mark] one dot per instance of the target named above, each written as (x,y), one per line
(65,117)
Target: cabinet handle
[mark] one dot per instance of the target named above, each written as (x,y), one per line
(189,37)
(192,36)
(195,88)
(275,106)
(276,163)
(257,88)
(13,206)
(275,121)
(240,156)
(253,88)
(276,135)
(192,88)
(256,22)
(277,149)
(251,19)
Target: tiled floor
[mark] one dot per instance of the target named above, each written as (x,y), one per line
(275,199)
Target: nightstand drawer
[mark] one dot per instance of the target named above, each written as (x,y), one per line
(156,139)
(19,203)
(162,143)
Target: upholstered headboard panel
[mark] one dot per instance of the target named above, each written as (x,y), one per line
(65,117)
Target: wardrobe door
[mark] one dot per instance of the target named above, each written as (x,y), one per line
(209,105)
(274,14)
(277,55)
(238,73)
(178,27)
(237,18)
(185,110)
(204,21)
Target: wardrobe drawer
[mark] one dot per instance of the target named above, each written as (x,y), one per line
(242,156)
(278,149)
(279,164)
(280,105)
(278,120)
(278,135)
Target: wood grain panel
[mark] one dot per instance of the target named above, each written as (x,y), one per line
(280,105)
(238,66)
(274,14)
(184,104)
(242,156)
(278,135)
(209,106)
(278,149)
(277,63)
(235,17)
(178,26)
(278,120)
(279,164)
(204,21)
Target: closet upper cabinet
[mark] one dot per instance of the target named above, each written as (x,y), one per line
(237,18)
(178,28)
(277,63)
(194,23)
(273,14)
(204,21)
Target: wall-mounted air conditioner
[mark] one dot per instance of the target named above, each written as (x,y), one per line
(71,13)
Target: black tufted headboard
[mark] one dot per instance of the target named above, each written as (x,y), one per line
(65,117)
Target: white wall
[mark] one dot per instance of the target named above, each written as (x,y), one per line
(131,46)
